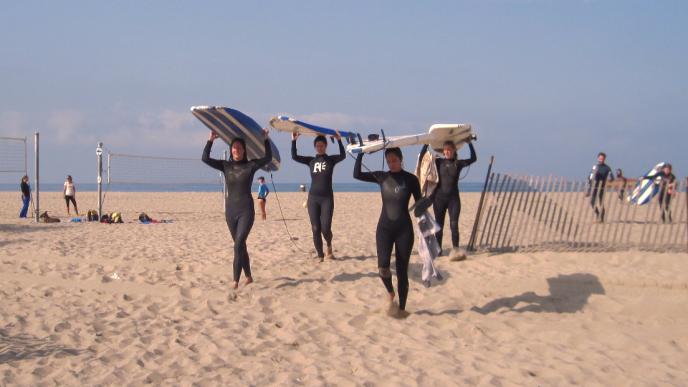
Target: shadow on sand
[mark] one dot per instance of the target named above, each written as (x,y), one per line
(24,347)
(568,293)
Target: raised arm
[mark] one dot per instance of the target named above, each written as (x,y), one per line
(342,152)
(363,176)
(213,163)
(472,159)
(299,159)
(261,162)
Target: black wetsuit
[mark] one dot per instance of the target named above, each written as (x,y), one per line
(598,182)
(664,197)
(446,195)
(320,196)
(394,228)
(239,211)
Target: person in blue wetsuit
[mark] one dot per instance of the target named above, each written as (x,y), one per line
(320,196)
(263,192)
(446,197)
(394,227)
(239,209)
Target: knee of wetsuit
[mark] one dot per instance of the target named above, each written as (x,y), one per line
(453,223)
(385,272)
(315,228)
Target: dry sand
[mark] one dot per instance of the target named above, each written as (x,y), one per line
(170,318)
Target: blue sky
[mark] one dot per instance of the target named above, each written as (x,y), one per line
(546,84)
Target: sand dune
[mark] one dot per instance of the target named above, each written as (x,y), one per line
(170,318)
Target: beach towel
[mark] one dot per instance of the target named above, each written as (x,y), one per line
(428,248)
(426,172)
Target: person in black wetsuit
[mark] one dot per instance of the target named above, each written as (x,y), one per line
(239,210)
(667,187)
(622,183)
(394,228)
(446,195)
(597,183)
(320,196)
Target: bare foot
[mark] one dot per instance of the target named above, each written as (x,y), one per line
(248,281)
(392,309)
(329,255)
(236,285)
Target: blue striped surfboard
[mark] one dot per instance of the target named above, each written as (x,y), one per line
(230,123)
(645,189)
(288,124)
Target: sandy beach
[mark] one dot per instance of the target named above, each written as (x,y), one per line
(169,316)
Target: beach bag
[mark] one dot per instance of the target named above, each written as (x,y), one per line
(144,218)
(92,216)
(105,219)
(116,217)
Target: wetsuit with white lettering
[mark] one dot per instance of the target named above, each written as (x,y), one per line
(320,196)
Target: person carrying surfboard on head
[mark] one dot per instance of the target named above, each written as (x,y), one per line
(446,197)
(667,188)
(394,228)
(320,196)
(597,182)
(239,209)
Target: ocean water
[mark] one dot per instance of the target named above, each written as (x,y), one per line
(280,187)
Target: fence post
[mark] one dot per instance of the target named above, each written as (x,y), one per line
(36,174)
(471,242)
(99,155)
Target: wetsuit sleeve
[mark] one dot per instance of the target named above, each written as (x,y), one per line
(363,176)
(261,162)
(213,163)
(611,175)
(342,152)
(472,159)
(299,159)
(423,150)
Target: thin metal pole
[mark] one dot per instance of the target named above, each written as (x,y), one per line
(108,168)
(37,184)
(26,161)
(476,222)
(99,155)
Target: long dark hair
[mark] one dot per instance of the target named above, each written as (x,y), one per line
(243,143)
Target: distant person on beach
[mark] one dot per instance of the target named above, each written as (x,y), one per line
(70,194)
(263,192)
(446,197)
(623,182)
(394,228)
(320,196)
(597,182)
(667,188)
(26,196)
(239,210)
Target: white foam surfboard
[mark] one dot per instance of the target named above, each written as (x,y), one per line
(436,136)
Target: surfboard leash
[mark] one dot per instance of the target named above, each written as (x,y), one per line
(284,220)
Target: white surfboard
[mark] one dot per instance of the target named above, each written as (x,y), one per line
(291,125)
(646,189)
(436,136)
